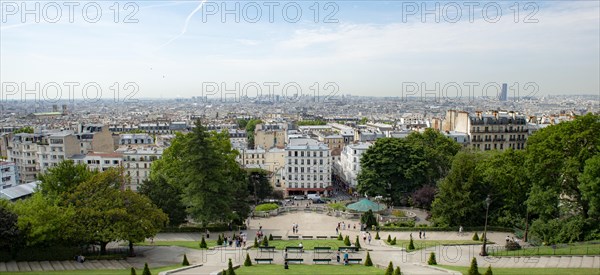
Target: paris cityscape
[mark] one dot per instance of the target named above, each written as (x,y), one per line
(283,137)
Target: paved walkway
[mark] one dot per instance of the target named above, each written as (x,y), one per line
(312,224)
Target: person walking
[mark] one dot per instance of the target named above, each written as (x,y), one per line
(369,238)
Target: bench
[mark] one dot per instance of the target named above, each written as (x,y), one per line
(333,237)
(307,237)
(267,248)
(296,248)
(270,260)
(356,260)
(293,237)
(321,237)
(322,261)
(294,260)
(350,248)
(277,237)
(322,249)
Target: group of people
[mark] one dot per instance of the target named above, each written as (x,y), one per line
(366,236)
(342,226)
(421,234)
(295,228)
(239,240)
(345,257)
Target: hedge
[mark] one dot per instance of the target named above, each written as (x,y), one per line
(474,228)
(266,207)
(201,229)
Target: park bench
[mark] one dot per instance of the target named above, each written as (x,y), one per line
(293,237)
(307,237)
(277,237)
(321,237)
(333,237)
(294,260)
(356,260)
(349,248)
(319,249)
(258,260)
(322,261)
(294,248)
(267,248)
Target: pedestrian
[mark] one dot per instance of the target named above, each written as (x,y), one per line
(369,238)
(424,234)
(207,234)
(346,257)
(337,256)
(460,230)
(420,234)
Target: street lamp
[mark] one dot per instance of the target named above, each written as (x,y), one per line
(488,201)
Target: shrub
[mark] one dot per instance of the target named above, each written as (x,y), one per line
(432,260)
(266,207)
(390,269)
(377,236)
(203,243)
(397,271)
(411,245)
(255,242)
(389,239)
(265,241)
(219,240)
(337,206)
(473,270)
(368,219)
(230,270)
(475,237)
(347,241)
(146,270)
(483,237)
(270,237)
(510,246)
(489,271)
(357,243)
(248,262)
(368,261)
(185,261)
(340,238)
(398,213)
(132,271)
(393,242)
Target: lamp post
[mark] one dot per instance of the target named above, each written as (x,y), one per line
(488,201)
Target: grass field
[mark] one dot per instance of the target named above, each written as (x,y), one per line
(574,249)
(295,269)
(528,271)
(188,244)
(421,244)
(307,244)
(95,272)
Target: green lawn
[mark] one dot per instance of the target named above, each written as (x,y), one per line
(574,249)
(307,244)
(188,244)
(300,269)
(528,271)
(95,272)
(421,244)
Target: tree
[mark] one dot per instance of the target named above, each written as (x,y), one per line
(363,121)
(10,235)
(432,260)
(202,165)
(347,241)
(248,262)
(250,127)
(423,197)
(439,152)
(368,219)
(397,271)
(146,270)
(259,178)
(473,270)
(62,180)
(368,261)
(26,129)
(489,271)
(411,245)
(185,261)
(230,270)
(166,196)
(390,269)
(132,271)
(143,219)
(203,243)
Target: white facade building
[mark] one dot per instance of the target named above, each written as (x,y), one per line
(8,175)
(307,167)
(137,163)
(350,161)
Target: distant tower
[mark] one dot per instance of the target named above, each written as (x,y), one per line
(55,108)
(64,109)
(504,93)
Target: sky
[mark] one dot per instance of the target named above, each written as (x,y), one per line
(166,49)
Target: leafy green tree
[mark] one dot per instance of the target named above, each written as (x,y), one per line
(556,161)
(439,152)
(390,269)
(185,261)
(473,270)
(26,129)
(368,219)
(368,261)
(166,196)
(250,127)
(590,186)
(10,235)
(259,178)
(143,219)
(248,262)
(62,180)
(363,121)
(242,123)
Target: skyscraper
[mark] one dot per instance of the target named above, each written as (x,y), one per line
(504,92)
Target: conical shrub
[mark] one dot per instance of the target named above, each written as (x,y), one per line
(475,237)
(340,238)
(132,271)
(230,270)
(473,270)
(270,237)
(411,244)
(432,260)
(489,271)
(203,243)
(377,236)
(146,270)
(368,261)
(397,271)
(248,262)
(347,241)
(185,261)
(389,239)
(393,242)
(390,269)
(265,241)
(357,243)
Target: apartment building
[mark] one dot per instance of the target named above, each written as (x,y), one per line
(22,150)
(269,135)
(307,167)
(55,148)
(135,139)
(331,139)
(349,163)
(95,138)
(99,161)
(8,175)
(137,162)
(489,131)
